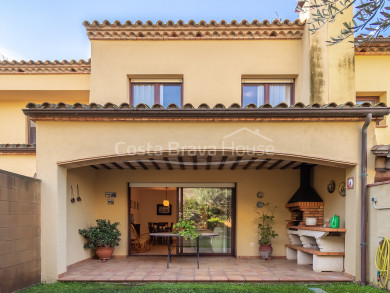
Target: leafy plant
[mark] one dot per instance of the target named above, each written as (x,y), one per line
(104,234)
(266,233)
(369,15)
(186,228)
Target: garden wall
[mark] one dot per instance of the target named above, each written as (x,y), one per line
(20,233)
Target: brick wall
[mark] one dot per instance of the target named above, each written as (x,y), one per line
(20,264)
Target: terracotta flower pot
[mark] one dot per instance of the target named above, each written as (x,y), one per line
(104,253)
(265,251)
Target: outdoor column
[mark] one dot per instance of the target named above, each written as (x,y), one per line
(53,218)
(352,224)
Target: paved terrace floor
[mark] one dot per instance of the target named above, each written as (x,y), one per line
(148,268)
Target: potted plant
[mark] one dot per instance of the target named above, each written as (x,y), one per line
(266,234)
(186,228)
(103,237)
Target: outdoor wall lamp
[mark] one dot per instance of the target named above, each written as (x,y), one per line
(166,201)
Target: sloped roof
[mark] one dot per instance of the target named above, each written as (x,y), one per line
(235,111)
(50,67)
(194,31)
(9,148)
(377,46)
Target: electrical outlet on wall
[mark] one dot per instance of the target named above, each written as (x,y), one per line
(251,244)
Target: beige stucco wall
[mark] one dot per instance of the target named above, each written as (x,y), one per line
(377,226)
(44,82)
(79,140)
(81,214)
(372,79)
(211,69)
(19,164)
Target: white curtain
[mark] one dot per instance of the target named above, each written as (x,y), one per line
(279,94)
(260,95)
(162,95)
(143,94)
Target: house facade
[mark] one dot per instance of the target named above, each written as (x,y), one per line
(241,105)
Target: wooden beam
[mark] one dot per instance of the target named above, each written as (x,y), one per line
(142,165)
(169,166)
(238,159)
(223,160)
(195,161)
(262,164)
(209,159)
(251,161)
(288,165)
(299,166)
(155,165)
(130,165)
(105,166)
(277,163)
(93,166)
(181,163)
(117,165)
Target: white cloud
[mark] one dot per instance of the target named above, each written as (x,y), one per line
(9,55)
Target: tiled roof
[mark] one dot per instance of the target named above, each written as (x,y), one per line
(77,111)
(381,150)
(377,46)
(17,148)
(194,31)
(51,67)
(126,106)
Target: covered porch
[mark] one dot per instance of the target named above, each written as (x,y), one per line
(223,269)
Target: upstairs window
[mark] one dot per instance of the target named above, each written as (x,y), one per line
(371,99)
(31,132)
(267,91)
(163,92)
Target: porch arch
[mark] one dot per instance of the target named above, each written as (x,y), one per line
(208,159)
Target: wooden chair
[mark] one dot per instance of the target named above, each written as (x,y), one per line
(139,243)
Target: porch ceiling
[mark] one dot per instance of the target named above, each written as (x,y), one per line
(201,163)
(195,161)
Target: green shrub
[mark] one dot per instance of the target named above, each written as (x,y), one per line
(104,234)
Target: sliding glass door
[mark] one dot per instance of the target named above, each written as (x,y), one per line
(212,210)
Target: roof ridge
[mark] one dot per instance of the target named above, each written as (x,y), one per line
(191,22)
(46,62)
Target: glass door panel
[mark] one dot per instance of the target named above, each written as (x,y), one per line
(211,209)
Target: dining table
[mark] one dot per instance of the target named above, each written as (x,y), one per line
(171,235)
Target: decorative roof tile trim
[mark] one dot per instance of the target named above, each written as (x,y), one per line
(377,46)
(381,150)
(191,30)
(109,111)
(20,149)
(46,67)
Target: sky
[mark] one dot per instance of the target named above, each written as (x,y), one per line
(52,29)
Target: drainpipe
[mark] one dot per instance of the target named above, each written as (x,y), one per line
(363,212)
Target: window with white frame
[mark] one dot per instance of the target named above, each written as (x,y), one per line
(267,91)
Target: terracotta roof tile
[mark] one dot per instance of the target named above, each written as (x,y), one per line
(48,67)
(9,148)
(194,31)
(377,46)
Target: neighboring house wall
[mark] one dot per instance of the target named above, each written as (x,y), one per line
(19,164)
(20,263)
(378,225)
(373,79)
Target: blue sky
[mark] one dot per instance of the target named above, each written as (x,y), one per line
(52,29)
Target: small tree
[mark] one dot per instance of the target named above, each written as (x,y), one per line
(266,232)
(369,15)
